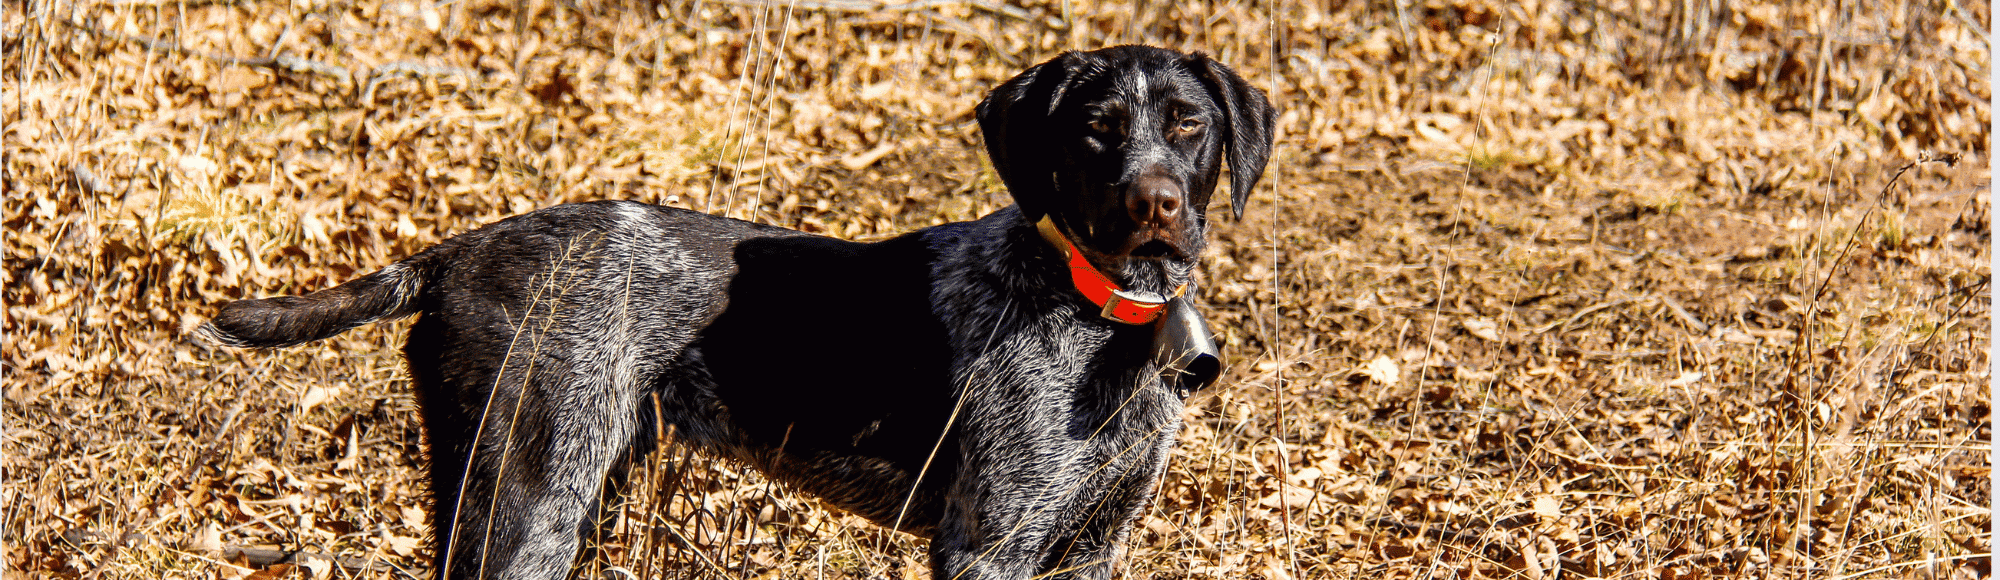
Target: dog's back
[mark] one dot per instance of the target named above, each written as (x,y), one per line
(568,238)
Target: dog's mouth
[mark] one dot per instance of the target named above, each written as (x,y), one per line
(1147,260)
(1154,249)
(1152,244)
(1117,251)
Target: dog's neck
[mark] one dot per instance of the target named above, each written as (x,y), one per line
(1117,303)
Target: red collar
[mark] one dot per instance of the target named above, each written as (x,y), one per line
(1127,306)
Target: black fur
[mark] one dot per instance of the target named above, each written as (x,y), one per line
(950,382)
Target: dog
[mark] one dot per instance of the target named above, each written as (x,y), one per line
(990,385)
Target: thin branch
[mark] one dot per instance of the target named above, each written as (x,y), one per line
(873,6)
(287,62)
(1681,312)
(88,180)
(385,72)
(278,62)
(264,557)
(1587,311)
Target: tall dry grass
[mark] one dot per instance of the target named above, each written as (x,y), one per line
(1538,289)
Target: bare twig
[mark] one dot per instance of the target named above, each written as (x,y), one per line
(949,24)
(873,6)
(1826,281)
(387,71)
(289,63)
(1674,306)
(1439,531)
(263,557)
(278,62)
(87,180)
(1587,311)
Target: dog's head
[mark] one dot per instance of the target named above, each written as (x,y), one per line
(1122,148)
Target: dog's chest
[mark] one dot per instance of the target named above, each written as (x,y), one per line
(1064,376)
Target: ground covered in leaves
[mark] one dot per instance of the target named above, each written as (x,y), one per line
(1542,289)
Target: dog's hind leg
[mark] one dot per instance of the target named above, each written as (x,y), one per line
(618,489)
(520,483)
(527,417)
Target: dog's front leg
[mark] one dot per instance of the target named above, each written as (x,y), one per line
(1059,507)
(1124,486)
(1053,476)
(1012,482)
(992,526)
(1033,468)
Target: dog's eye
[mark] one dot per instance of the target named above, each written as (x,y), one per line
(1102,126)
(1189,126)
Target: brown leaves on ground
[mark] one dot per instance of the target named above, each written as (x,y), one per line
(1534,290)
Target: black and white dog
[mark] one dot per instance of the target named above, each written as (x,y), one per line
(991,385)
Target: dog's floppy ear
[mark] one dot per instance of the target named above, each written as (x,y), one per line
(1019,135)
(1248,131)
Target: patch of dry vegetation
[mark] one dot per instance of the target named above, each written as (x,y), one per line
(1542,289)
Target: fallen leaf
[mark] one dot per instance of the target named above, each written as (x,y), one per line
(1382,370)
(315,395)
(1548,507)
(197,167)
(274,572)
(404,545)
(207,541)
(236,80)
(318,568)
(1482,328)
(1291,496)
(862,160)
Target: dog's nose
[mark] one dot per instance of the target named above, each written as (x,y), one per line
(1154,200)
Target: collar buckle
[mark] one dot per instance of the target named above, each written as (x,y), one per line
(1132,306)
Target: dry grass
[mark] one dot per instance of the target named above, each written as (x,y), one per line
(1549,289)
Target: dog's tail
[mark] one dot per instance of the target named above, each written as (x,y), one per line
(387,294)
